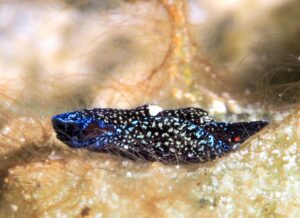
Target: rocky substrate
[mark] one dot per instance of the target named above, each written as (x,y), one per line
(48,179)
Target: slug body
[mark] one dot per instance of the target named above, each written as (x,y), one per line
(148,132)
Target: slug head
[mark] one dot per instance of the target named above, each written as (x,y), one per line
(77,129)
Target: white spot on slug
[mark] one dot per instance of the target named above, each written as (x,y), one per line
(154,110)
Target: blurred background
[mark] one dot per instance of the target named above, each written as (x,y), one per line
(233,58)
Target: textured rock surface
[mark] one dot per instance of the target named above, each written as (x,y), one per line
(261,179)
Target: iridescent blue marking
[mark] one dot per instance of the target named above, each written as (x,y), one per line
(172,136)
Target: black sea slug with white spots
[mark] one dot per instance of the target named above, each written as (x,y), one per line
(149,132)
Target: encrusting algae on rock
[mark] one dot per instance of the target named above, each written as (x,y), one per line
(260,179)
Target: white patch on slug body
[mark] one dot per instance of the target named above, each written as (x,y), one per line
(154,109)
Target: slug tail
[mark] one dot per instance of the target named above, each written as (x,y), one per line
(235,133)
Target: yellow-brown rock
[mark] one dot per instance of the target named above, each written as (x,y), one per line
(262,179)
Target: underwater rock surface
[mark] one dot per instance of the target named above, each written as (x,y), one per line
(260,179)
